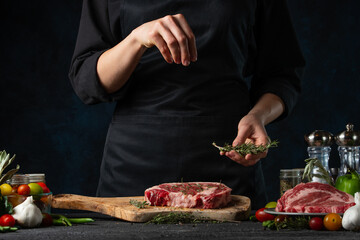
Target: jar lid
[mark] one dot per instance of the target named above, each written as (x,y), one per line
(36,177)
(19,179)
(319,138)
(348,137)
(290,172)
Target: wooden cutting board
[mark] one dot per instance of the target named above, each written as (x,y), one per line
(120,207)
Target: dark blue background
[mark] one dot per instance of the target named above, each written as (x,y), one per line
(51,131)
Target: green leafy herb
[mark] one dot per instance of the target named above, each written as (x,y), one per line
(247,148)
(314,165)
(253,218)
(179,218)
(61,220)
(5,206)
(138,204)
(293,223)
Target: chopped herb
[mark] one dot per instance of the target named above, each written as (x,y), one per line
(138,204)
(294,223)
(179,218)
(247,148)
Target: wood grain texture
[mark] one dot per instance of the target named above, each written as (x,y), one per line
(120,207)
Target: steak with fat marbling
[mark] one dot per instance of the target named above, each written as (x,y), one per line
(189,195)
(314,197)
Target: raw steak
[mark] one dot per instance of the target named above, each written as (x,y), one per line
(189,195)
(314,197)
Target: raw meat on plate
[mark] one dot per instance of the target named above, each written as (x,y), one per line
(189,195)
(314,197)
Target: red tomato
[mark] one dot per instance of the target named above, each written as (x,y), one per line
(316,223)
(280,218)
(7,220)
(262,216)
(23,189)
(44,187)
(47,220)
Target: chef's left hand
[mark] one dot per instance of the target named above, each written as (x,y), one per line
(250,129)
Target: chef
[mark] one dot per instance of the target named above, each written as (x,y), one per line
(184,74)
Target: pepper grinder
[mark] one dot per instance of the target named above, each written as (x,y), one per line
(349,148)
(319,142)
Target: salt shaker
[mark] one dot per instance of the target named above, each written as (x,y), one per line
(319,143)
(349,148)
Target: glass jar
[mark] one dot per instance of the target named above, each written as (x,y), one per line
(18,179)
(289,178)
(349,149)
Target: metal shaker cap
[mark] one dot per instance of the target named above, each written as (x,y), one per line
(348,137)
(319,138)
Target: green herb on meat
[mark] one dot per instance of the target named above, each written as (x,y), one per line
(138,204)
(179,218)
(247,148)
(314,165)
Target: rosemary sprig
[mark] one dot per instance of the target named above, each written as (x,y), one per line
(247,148)
(322,173)
(293,223)
(179,218)
(138,204)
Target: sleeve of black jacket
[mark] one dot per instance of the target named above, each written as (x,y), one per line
(94,38)
(278,63)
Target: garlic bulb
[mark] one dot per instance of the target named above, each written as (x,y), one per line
(27,214)
(351,218)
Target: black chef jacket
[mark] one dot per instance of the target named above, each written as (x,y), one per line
(167,115)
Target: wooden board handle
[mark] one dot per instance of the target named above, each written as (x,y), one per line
(78,202)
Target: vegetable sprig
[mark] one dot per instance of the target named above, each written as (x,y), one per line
(179,218)
(294,223)
(61,220)
(322,173)
(247,148)
(138,204)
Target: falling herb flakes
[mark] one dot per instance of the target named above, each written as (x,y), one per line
(247,148)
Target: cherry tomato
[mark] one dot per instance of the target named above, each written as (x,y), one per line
(262,216)
(279,218)
(316,223)
(47,220)
(7,220)
(23,189)
(44,187)
(332,221)
(6,189)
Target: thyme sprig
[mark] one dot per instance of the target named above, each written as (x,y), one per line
(314,165)
(179,218)
(138,204)
(247,148)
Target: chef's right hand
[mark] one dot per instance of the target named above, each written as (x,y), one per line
(173,37)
